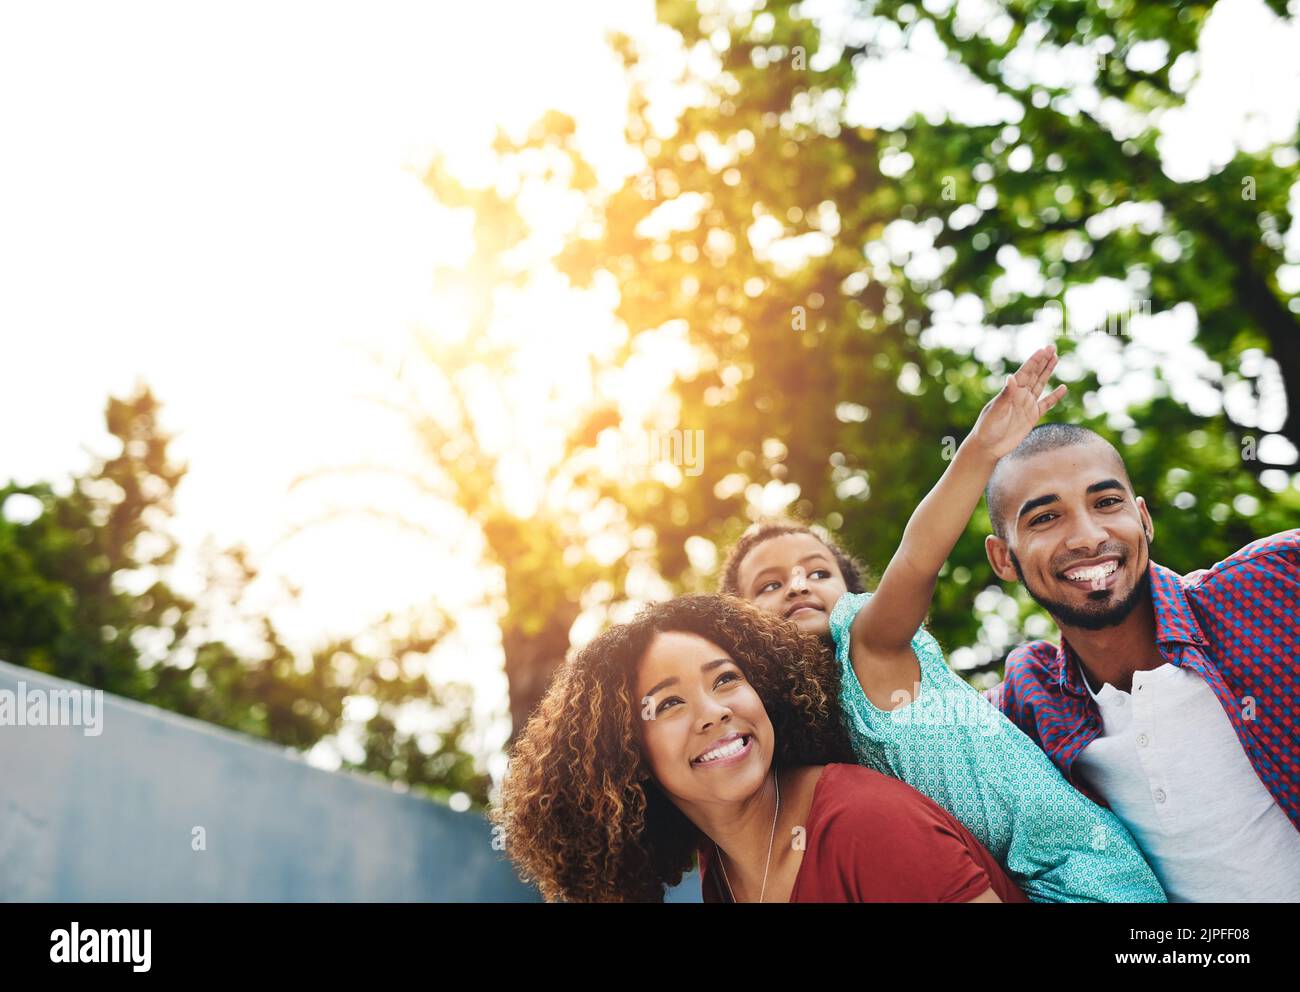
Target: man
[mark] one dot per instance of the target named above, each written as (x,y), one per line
(1174,700)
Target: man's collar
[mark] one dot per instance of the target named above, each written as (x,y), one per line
(1175,624)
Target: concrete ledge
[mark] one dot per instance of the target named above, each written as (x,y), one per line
(115,817)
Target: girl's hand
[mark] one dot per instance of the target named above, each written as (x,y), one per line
(881,636)
(1011,415)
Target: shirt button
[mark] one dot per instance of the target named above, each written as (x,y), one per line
(1160,795)
(1143,740)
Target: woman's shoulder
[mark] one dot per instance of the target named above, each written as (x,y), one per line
(854,792)
(891,842)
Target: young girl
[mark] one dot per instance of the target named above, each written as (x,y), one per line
(709,728)
(911,716)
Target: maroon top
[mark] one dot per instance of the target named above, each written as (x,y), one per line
(871,838)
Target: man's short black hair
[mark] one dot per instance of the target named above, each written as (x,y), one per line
(1044,437)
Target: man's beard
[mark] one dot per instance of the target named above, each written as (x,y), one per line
(1098,619)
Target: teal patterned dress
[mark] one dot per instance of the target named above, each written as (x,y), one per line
(953,745)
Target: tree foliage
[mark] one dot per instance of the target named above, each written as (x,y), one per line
(831,376)
(85,596)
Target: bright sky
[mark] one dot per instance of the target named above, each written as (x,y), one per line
(223,203)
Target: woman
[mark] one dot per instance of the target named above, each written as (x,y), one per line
(709,727)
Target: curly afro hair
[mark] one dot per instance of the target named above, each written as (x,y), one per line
(855,574)
(583,817)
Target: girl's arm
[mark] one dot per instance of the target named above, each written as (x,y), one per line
(883,629)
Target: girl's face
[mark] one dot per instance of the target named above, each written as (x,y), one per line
(704,730)
(794,576)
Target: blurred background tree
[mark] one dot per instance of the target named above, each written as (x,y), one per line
(84,595)
(825,303)
(853,295)
(854,370)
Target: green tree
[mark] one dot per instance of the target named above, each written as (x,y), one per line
(822,380)
(543,581)
(826,375)
(84,596)
(823,375)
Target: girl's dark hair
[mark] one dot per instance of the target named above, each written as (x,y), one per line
(582,814)
(853,571)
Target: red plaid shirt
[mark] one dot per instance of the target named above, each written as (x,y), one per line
(1237,625)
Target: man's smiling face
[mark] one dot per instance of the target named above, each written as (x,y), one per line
(794,576)
(1076,537)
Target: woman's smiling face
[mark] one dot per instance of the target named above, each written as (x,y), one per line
(794,576)
(704,730)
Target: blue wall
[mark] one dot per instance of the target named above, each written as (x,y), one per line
(111,818)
